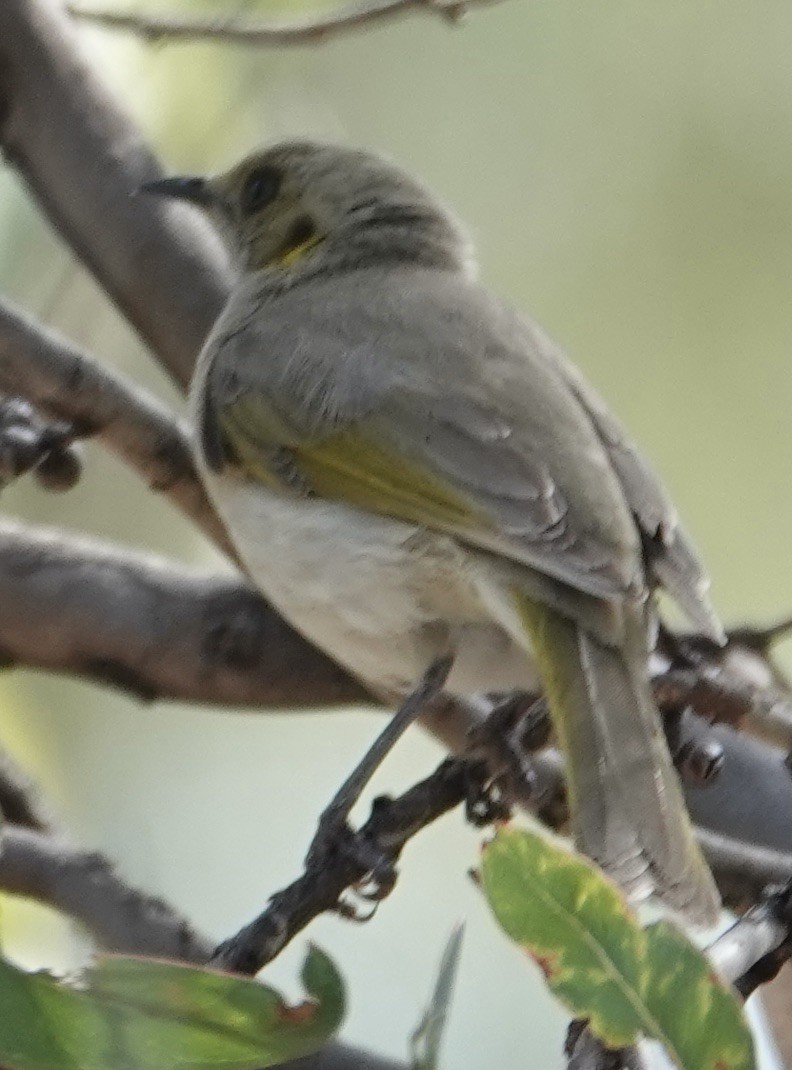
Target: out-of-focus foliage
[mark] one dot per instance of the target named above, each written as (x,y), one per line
(596,958)
(140,1013)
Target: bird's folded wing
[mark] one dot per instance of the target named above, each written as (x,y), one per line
(451,466)
(671,558)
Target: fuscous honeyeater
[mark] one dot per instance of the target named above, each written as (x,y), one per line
(409,468)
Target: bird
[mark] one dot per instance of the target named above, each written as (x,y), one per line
(409,468)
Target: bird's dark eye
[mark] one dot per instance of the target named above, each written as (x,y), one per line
(260,189)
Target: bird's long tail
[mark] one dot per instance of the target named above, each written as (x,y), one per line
(627,808)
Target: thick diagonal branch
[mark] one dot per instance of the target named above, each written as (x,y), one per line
(83,159)
(152,628)
(67,383)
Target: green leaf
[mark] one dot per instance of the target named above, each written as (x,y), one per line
(323,983)
(595,957)
(142,1014)
(681,987)
(428,1037)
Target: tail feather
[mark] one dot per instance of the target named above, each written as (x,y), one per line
(628,812)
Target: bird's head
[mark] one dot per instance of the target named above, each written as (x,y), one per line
(302,204)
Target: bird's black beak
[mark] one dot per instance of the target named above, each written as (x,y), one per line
(183,188)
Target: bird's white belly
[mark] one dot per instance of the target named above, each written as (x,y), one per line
(380,596)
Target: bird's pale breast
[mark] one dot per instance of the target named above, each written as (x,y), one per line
(378,595)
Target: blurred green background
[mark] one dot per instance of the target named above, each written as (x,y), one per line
(626,170)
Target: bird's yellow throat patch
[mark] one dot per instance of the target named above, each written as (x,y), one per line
(290,254)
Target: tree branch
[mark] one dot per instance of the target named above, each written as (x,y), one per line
(307,31)
(754,938)
(153,628)
(163,266)
(738,684)
(84,886)
(38,864)
(365,857)
(158,630)
(751,799)
(743,870)
(70,385)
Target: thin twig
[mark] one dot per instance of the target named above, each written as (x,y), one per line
(339,859)
(752,939)
(307,31)
(742,870)
(737,684)
(391,824)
